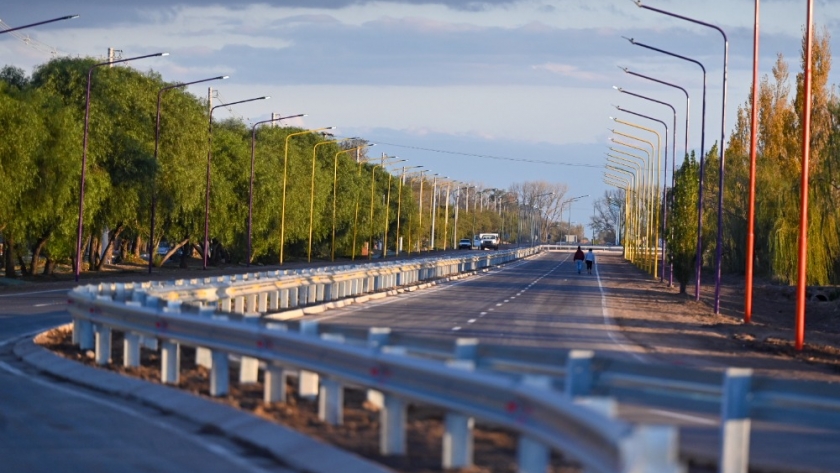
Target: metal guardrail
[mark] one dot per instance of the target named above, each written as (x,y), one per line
(526,389)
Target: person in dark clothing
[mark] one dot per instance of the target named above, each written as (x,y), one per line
(579,257)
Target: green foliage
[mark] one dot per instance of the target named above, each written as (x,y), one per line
(682,239)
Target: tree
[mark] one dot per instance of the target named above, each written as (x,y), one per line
(682,239)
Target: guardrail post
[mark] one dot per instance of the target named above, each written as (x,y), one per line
(579,373)
(170,362)
(307,380)
(251,303)
(239,304)
(74,336)
(320,293)
(273,300)
(531,455)
(85,334)
(378,338)
(458,441)
(465,348)
(735,421)
(249,367)
(651,448)
(275,384)
(219,373)
(225,304)
(202,355)
(103,344)
(392,416)
(331,402)
(131,350)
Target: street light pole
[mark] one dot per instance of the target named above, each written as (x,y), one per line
(335,193)
(207,186)
(719,246)
(154,177)
(78,266)
(399,208)
(251,180)
(68,17)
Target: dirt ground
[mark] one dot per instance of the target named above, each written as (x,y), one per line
(671,327)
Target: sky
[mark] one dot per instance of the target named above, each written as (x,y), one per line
(490,92)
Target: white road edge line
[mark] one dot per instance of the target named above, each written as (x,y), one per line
(611,323)
(15,294)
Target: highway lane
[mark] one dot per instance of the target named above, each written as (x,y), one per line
(543,302)
(47,425)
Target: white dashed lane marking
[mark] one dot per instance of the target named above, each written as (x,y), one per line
(456,328)
(470,321)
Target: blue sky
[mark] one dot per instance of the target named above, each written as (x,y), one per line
(526,81)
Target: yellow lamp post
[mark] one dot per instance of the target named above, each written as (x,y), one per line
(399,207)
(621,184)
(285,173)
(634,228)
(335,193)
(648,200)
(387,205)
(372,187)
(660,205)
(619,161)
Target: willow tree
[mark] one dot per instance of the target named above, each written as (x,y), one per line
(682,238)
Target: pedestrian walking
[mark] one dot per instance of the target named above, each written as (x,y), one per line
(579,257)
(590,260)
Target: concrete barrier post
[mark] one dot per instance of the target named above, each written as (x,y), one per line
(239,304)
(392,416)
(225,304)
(75,335)
(458,441)
(85,334)
(579,373)
(735,421)
(307,380)
(273,300)
(331,402)
(275,384)
(131,350)
(249,368)
(251,303)
(219,374)
(531,456)
(170,362)
(103,344)
(320,292)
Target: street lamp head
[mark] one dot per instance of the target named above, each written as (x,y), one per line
(265,97)
(618,88)
(162,54)
(70,17)
(222,77)
(638,3)
(625,69)
(632,41)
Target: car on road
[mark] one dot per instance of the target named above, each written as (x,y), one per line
(489,241)
(465,244)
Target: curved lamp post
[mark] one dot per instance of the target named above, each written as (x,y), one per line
(399,207)
(656,203)
(335,193)
(719,246)
(207,186)
(638,206)
(372,188)
(78,265)
(388,207)
(664,187)
(312,193)
(285,172)
(621,184)
(251,181)
(569,201)
(154,177)
(632,210)
(68,17)
(646,209)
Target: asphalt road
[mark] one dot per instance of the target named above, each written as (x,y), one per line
(543,302)
(540,302)
(48,426)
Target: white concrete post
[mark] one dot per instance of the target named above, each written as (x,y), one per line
(86,341)
(75,335)
(307,380)
(131,350)
(225,305)
(331,402)
(239,304)
(103,344)
(262,303)
(170,362)
(531,456)
(392,416)
(293,296)
(275,384)
(273,300)
(458,441)
(735,421)
(219,374)
(312,293)
(579,373)
(249,368)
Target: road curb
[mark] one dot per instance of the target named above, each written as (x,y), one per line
(288,446)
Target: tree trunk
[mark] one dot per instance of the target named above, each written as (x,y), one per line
(8,256)
(124,249)
(49,267)
(138,245)
(113,235)
(22,264)
(36,254)
(93,253)
(682,287)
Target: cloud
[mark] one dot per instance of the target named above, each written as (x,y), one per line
(568,70)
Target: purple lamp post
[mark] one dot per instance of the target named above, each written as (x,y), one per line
(157,140)
(68,17)
(251,181)
(78,266)
(206,249)
(719,246)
